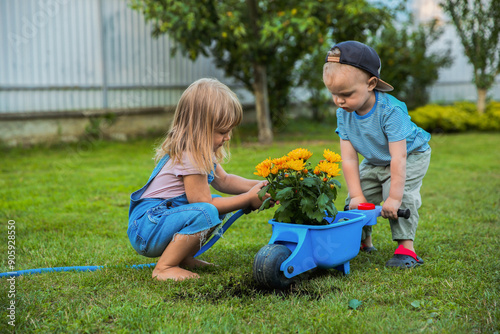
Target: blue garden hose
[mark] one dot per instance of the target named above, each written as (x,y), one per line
(60,269)
(205,247)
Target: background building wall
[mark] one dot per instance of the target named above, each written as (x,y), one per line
(65,65)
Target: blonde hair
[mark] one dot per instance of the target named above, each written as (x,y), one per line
(205,107)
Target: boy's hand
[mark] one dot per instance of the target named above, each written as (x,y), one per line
(390,208)
(355,201)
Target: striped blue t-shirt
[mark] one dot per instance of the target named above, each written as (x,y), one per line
(388,121)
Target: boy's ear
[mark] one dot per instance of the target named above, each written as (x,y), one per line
(372,83)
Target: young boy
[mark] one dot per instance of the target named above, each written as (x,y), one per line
(395,150)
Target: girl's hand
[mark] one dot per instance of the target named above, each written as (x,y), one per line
(255,202)
(390,208)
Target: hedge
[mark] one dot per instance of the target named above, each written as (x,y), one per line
(459,117)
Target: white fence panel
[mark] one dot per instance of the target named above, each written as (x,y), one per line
(60,55)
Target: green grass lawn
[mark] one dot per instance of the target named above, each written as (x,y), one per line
(70,207)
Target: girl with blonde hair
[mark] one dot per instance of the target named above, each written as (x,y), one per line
(174,212)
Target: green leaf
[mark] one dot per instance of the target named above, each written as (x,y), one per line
(336,182)
(311,181)
(307,204)
(283,215)
(310,192)
(284,194)
(263,191)
(415,303)
(265,205)
(323,200)
(354,303)
(331,209)
(318,216)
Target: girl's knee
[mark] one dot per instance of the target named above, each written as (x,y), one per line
(209,211)
(198,217)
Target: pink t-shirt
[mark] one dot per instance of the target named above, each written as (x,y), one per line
(169,183)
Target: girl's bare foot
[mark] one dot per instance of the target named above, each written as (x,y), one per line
(191,263)
(173,273)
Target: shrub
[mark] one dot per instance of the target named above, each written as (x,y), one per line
(490,120)
(459,117)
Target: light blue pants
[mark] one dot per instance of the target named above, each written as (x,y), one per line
(376,182)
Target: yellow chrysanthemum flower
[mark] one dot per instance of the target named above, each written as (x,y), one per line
(264,168)
(334,170)
(331,169)
(297,165)
(280,163)
(331,156)
(300,153)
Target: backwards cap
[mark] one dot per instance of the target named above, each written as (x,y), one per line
(361,56)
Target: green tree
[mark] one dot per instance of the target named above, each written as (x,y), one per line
(478,25)
(407,63)
(256,42)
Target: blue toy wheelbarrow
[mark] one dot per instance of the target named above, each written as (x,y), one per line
(295,249)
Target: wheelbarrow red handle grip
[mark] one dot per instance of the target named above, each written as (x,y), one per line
(403,213)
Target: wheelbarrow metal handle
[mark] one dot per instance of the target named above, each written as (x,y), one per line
(223,229)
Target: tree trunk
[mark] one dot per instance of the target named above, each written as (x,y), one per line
(260,83)
(481,100)
(262,104)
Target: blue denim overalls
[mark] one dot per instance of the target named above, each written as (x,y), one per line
(153,222)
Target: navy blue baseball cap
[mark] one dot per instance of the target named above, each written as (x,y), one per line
(361,56)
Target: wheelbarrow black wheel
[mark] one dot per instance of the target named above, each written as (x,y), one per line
(266,267)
